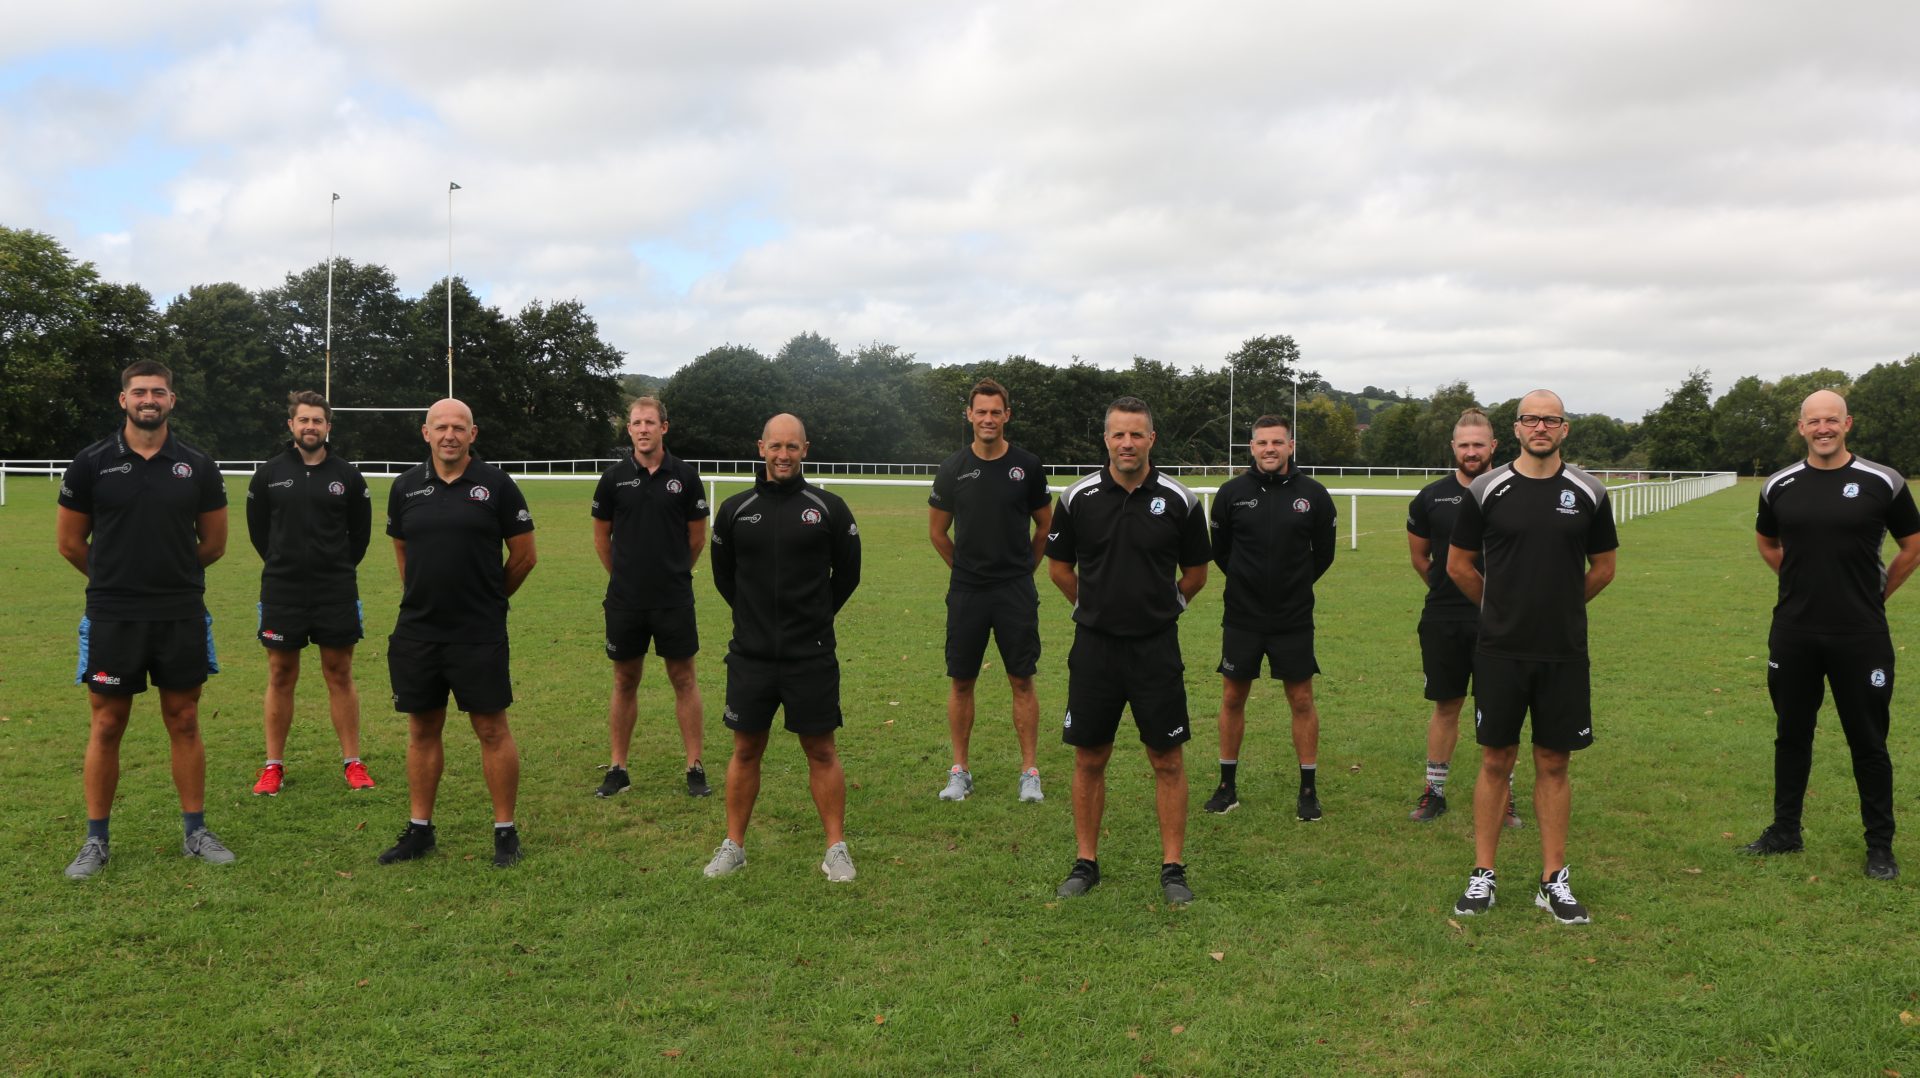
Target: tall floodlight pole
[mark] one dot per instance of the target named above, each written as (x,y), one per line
(327,389)
(451,188)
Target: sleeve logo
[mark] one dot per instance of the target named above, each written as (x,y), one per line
(524,515)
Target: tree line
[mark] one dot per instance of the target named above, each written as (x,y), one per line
(544,385)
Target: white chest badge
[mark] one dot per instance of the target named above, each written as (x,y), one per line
(1157,506)
(1566,499)
(1851,490)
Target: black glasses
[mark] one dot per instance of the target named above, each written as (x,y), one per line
(1550,422)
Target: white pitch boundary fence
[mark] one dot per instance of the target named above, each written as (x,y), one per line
(1631,499)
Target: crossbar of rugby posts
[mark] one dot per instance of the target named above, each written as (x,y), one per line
(1630,500)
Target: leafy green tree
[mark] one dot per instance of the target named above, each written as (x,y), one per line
(221,357)
(1595,440)
(1393,439)
(575,406)
(719,402)
(1437,422)
(1678,435)
(1266,373)
(1749,433)
(1885,406)
(1503,416)
(369,367)
(1790,391)
(1327,433)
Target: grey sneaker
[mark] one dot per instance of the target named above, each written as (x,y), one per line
(205,845)
(959,785)
(89,861)
(1030,785)
(838,864)
(727,860)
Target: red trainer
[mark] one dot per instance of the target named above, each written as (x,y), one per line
(357,777)
(270,778)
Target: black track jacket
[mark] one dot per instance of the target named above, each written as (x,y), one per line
(786,556)
(1273,536)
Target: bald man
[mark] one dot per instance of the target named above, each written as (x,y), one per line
(786,557)
(1820,528)
(449,519)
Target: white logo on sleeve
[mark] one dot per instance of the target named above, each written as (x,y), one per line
(524,515)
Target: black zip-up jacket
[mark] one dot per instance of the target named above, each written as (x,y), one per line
(786,556)
(311,525)
(1273,536)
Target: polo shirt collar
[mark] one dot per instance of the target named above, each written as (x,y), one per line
(167,448)
(1107,479)
(466,476)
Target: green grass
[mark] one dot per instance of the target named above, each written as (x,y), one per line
(606,951)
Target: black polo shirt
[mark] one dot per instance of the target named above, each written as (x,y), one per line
(992,502)
(652,563)
(1831,523)
(1430,515)
(310,524)
(455,589)
(1273,536)
(1536,538)
(143,563)
(1129,548)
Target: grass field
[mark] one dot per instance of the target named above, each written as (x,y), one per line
(1313,949)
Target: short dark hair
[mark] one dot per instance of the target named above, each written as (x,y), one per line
(145,368)
(659,408)
(1273,420)
(987,387)
(310,399)
(1130,404)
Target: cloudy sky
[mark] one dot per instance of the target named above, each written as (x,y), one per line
(1594,197)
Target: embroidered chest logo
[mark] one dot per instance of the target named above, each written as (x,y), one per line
(673,486)
(1851,490)
(1157,506)
(810,516)
(185,471)
(1566,499)
(1016,473)
(336,488)
(1301,505)
(478,494)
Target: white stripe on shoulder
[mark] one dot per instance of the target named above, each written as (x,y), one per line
(1773,481)
(1596,491)
(1079,485)
(1186,495)
(1894,480)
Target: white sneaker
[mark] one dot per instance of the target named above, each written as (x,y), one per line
(727,860)
(959,785)
(1030,785)
(838,864)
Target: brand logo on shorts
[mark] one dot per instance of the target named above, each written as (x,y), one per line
(1227,666)
(104,678)
(609,647)
(1477,718)
(1067,723)
(730,715)
(1566,499)
(1176,731)
(1016,473)
(1877,679)
(269,634)
(1585,731)
(336,489)
(185,471)
(673,486)
(1851,490)
(1051,536)
(1157,506)
(1301,505)
(288,483)
(478,494)
(1771,665)
(810,516)
(754,519)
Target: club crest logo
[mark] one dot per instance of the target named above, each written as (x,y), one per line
(1566,499)
(673,486)
(185,471)
(479,494)
(1851,490)
(1016,473)
(1301,505)
(1877,679)
(336,488)
(810,516)
(524,515)
(1157,506)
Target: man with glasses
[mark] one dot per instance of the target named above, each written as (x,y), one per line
(1534,543)
(1820,528)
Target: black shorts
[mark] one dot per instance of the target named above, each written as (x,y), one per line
(1556,693)
(673,632)
(422,672)
(117,658)
(1011,612)
(335,625)
(1289,655)
(808,690)
(1446,657)
(1107,673)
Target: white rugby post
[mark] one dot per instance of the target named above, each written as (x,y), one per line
(327,379)
(451,188)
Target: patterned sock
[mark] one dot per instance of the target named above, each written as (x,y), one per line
(1437,778)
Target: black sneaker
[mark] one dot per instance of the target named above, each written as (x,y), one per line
(1881,865)
(615,781)
(415,841)
(697,782)
(506,847)
(1224,799)
(1775,839)
(1173,884)
(1083,878)
(1556,897)
(1429,808)
(1479,897)
(1308,808)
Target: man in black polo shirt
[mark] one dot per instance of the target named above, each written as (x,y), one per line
(1449,624)
(1543,532)
(1129,550)
(992,495)
(142,515)
(1273,537)
(786,557)
(1820,528)
(448,519)
(310,517)
(649,525)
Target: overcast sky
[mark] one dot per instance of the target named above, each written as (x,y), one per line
(1592,197)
